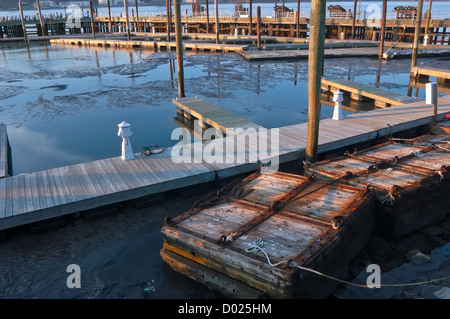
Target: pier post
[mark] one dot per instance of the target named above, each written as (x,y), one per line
(179,45)
(430,3)
(383,29)
(23,22)
(109,16)
(41,19)
(258,21)
(315,60)
(92,19)
(417,34)
(431,97)
(250,17)
(298,18)
(127,19)
(216,5)
(138,25)
(354,20)
(207,16)
(168,13)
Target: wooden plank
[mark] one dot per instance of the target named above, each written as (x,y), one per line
(3,151)
(3,197)
(9,197)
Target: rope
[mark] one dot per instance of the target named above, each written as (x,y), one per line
(259,244)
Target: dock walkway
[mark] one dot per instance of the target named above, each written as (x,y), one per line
(4,152)
(424,72)
(360,91)
(32,197)
(150,45)
(208,114)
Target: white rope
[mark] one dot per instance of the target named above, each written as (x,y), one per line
(259,244)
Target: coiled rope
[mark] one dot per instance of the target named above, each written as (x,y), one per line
(259,244)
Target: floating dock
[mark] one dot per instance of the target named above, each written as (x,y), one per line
(46,194)
(360,92)
(293,219)
(424,73)
(190,109)
(288,236)
(370,52)
(150,45)
(409,177)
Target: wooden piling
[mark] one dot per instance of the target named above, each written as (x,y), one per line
(430,3)
(354,20)
(258,21)
(92,19)
(179,44)
(417,34)
(109,16)
(216,5)
(41,18)
(383,29)
(315,60)
(23,22)
(138,25)
(250,17)
(207,16)
(168,19)
(127,19)
(298,18)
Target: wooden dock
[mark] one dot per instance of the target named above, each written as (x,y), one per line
(291,217)
(368,52)
(424,73)
(36,196)
(408,177)
(5,153)
(190,109)
(150,45)
(271,235)
(360,91)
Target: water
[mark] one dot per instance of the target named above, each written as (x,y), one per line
(440,9)
(62,104)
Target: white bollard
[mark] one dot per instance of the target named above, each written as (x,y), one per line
(338,97)
(125,133)
(425,40)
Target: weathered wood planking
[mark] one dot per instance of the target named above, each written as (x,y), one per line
(277,208)
(55,192)
(4,151)
(410,181)
(213,115)
(359,91)
(151,45)
(430,71)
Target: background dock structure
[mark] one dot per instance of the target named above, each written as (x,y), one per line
(149,44)
(424,73)
(360,91)
(32,197)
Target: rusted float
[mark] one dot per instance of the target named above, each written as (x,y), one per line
(262,236)
(410,178)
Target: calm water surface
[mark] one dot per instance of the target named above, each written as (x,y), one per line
(62,104)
